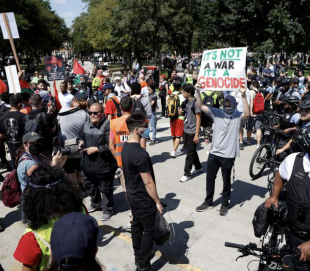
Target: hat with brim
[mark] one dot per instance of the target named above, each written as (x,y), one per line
(31,137)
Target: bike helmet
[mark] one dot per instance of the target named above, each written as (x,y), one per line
(292,99)
(296,81)
(286,81)
(302,139)
(305,104)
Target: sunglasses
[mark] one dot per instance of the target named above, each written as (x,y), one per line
(94,113)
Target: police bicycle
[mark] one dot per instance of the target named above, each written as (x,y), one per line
(265,155)
(273,254)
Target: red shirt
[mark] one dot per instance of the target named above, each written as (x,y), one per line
(28,250)
(110,108)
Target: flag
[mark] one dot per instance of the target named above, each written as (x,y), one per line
(57,102)
(25,87)
(3,87)
(77,68)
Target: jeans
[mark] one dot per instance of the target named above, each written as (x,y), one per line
(192,157)
(100,95)
(142,231)
(153,125)
(214,164)
(100,190)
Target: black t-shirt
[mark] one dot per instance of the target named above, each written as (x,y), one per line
(12,125)
(153,98)
(135,161)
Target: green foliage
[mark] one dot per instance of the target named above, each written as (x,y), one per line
(40,29)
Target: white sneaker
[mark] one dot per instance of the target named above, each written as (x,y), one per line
(178,152)
(172,154)
(257,146)
(196,171)
(184,179)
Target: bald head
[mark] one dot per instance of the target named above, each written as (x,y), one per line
(96,113)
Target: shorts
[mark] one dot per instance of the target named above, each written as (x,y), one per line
(72,165)
(176,127)
(243,123)
(255,122)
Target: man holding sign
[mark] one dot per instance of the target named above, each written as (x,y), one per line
(225,145)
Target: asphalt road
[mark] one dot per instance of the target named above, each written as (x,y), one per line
(200,237)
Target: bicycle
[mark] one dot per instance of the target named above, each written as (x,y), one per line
(272,256)
(265,155)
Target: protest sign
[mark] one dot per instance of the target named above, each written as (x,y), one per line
(9,30)
(12,76)
(12,25)
(223,69)
(55,68)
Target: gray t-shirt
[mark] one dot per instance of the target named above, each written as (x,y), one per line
(190,117)
(225,140)
(71,125)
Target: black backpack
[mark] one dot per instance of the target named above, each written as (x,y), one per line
(137,106)
(208,100)
(33,125)
(118,108)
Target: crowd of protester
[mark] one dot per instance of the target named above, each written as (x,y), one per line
(99,131)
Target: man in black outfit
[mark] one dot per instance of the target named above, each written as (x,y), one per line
(12,126)
(141,192)
(97,163)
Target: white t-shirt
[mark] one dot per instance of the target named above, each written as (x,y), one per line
(121,89)
(65,99)
(287,165)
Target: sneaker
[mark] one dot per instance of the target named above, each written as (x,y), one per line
(257,146)
(207,141)
(241,146)
(153,142)
(178,152)
(224,210)
(92,209)
(184,179)
(106,216)
(203,207)
(172,154)
(196,171)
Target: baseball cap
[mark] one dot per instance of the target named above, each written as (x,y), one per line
(107,86)
(117,78)
(74,236)
(31,137)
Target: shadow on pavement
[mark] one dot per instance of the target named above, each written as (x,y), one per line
(241,192)
(175,253)
(161,158)
(107,230)
(11,218)
(171,202)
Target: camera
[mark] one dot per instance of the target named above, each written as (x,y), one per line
(70,147)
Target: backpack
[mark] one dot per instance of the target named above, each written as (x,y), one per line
(11,191)
(118,108)
(137,106)
(208,100)
(258,104)
(33,125)
(173,104)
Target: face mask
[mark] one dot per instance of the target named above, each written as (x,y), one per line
(35,149)
(146,133)
(229,110)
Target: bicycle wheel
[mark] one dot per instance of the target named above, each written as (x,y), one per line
(257,166)
(271,178)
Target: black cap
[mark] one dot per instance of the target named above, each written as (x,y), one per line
(31,137)
(74,235)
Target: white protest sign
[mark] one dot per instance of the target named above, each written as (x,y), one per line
(12,76)
(223,69)
(12,25)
